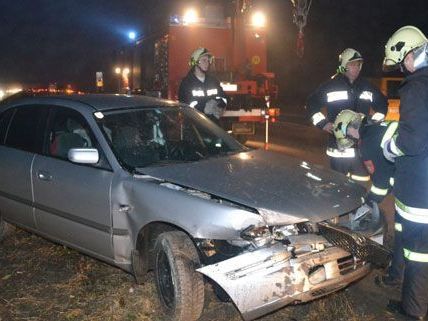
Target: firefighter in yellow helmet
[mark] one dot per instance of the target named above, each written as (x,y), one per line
(407,49)
(346,90)
(348,128)
(201,90)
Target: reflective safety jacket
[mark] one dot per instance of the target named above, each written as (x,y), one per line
(196,93)
(338,94)
(411,146)
(381,170)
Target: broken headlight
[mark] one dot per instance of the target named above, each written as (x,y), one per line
(282,232)
(257,235)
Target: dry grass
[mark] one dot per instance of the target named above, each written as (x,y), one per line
(42,281)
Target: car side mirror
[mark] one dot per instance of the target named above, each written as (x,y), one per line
(84,155)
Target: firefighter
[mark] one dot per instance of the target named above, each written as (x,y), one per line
(346,90)
(408,148)
(350,127)
(201,90)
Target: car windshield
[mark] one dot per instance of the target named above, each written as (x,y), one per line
(164,135)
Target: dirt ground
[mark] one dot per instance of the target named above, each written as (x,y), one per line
(43,281)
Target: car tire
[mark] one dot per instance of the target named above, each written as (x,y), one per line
(5,228)
(180,288)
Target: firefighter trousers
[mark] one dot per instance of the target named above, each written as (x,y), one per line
(396,269)
(414,292)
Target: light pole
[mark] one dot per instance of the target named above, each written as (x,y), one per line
(132,35)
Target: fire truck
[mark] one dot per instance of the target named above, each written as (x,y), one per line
(389,87)
(238,42)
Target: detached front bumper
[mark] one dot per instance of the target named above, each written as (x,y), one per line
(269,278)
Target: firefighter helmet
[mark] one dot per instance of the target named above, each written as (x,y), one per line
(346,56)
(400,44)
(345,119)
(198,54)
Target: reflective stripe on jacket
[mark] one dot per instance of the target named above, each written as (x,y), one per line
(414,214)
(196,93)
(415,256)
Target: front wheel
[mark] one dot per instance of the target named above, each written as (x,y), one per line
(180,287)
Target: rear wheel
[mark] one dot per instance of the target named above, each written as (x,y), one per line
(180,287)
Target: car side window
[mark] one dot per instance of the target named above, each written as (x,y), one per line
(68,129)
(25,130)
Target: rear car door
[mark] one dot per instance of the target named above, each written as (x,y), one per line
(21,135)
(73,200)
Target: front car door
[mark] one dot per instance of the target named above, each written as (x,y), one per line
(73,200)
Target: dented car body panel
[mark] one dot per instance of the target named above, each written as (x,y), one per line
(264,280)
(252,215)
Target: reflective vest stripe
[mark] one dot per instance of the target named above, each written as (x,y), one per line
(193,104)
(389,133)
(415,256)
(398,227)
(337,95)
(347,153)
(414,214)
(378,191)
(212,92)
(378,116)
(360,178)
(367,95)
(394,148)
(317,118)
(198,93)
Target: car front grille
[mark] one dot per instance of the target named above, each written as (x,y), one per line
(356,244)
(348,264)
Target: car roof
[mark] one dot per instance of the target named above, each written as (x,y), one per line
(99,102)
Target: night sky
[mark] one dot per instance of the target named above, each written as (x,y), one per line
(67,41)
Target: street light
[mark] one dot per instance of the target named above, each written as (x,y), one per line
(132,35)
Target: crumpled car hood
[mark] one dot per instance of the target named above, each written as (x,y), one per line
(283,189)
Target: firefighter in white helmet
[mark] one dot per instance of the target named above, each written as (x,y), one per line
(346,90)
(201,90)
(407,49)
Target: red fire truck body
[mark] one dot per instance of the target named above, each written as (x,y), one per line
(240,63)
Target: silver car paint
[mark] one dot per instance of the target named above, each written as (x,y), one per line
(73,204)
(283,189)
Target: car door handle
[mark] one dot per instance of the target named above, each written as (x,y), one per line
(43,175)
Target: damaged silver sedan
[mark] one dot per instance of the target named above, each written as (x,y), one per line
(147,184)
